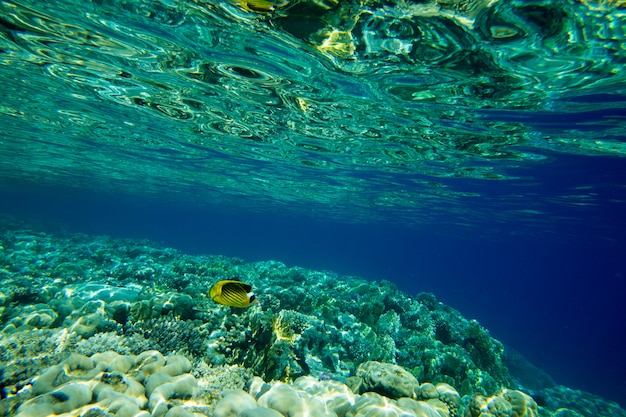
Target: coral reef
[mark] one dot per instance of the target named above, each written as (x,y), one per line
(103,299)
(151,384)
(112,384)
(566,402)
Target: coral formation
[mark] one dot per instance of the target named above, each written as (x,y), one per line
(507,403)
(128,328)
(386,379)
(566,402)
(121,385)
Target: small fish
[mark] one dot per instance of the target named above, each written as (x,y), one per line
(232,293)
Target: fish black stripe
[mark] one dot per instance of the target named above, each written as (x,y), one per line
(233,297)
(239,286)
(230,288)
(231,292)
(227,294)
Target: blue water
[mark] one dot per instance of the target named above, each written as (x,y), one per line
(477,152)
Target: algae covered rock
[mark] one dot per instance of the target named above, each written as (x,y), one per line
(122,385)
(508,403)
(234,403)
(394,382)
(291,400)
(449,396)
(387,379)
(63,400)
(336,396)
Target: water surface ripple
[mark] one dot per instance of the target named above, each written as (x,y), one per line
(351,109)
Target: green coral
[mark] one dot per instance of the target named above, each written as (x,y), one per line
(567,402)
(389,323)
(168,335)
(486,352)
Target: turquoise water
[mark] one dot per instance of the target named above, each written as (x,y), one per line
(400,110)
(474,149)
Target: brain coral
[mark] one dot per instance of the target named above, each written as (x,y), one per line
(121,385)
(507,403)
(386,379)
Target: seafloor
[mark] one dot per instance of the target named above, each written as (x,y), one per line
(96,326)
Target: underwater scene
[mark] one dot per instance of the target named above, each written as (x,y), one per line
(313,208)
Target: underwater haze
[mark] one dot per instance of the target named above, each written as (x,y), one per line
(472,149)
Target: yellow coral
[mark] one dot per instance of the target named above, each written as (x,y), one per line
(523,404)
(288,325)
(508,403)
